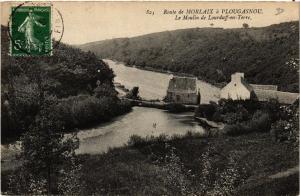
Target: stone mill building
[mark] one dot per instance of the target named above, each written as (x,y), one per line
(183,90)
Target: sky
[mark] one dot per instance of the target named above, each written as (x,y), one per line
(94,21)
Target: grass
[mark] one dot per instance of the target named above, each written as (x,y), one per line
(190,164)
(176,166)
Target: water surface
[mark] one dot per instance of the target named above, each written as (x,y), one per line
(153,85)
(142,121)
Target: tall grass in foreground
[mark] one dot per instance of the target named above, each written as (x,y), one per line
(178,178)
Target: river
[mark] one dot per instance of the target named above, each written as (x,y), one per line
(140,121)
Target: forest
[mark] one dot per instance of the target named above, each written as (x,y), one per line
(80,85)
(267,55)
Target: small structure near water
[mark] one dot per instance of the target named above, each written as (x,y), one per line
(183,90)
(239,89)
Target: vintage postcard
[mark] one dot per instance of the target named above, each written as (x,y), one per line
(149,98)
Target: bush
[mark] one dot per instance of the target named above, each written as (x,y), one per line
(83,110)
(133,93)
(234,111)
(272,107)
(206,111)
(287,129)
(136,140)
(234,130)
(260,122)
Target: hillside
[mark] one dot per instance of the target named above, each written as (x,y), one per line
(267,55)
(68,77)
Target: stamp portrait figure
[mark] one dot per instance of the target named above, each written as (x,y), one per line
(28,27)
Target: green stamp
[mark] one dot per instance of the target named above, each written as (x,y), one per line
(30,31)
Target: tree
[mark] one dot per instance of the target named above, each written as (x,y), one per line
(46,156)
(245,25)
(46,153)
(133,93)
(105,90)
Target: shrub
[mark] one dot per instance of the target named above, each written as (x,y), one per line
(272,107)
(234,111)
(233,130)
(133,93)
(287,129)
(260,122)
(173,173)
(82,110)
(136,141)
(216,180)
(206,110)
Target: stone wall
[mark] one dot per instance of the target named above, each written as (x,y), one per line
(282,97)
(181,97)
(264,87)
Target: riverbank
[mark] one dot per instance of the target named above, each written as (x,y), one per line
(81,112)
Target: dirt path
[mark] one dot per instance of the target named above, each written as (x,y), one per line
(286,173)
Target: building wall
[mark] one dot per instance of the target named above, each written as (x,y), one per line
(182,97)
(282,97)
(235,91)
(264,87)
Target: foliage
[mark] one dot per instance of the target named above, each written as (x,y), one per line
(178,166)
(138,141)
(245,25)
(260,122)
(234,111)
(206,111)
(175,177)
(44,153)
(213,54)
(287,127)
(244,161)
(105,90)
(133,93)
(67,75)
(85,110)
(226,181)
(272,107)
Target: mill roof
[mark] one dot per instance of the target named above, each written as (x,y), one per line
(248,86)
(182,84)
